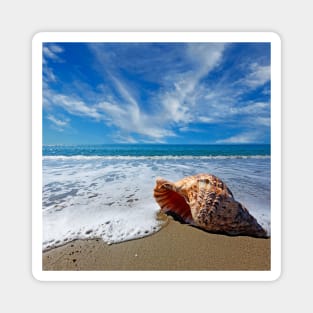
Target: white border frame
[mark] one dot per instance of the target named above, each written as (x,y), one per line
(270,37)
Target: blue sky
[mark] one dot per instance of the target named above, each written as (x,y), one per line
(204,93)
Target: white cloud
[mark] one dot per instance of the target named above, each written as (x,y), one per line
(184,100)
(178,104)
(205,119)
(126,115)
(56,48)
(263,121)
(205,56)
(121,108)
(240,138)
(51,52)
(124,139)
(258,75)
(254,108)
(190,129)
(174,110)
(48,75)
(75,106)
(59,124)
(111,109)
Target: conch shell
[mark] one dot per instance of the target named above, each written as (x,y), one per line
(205,201)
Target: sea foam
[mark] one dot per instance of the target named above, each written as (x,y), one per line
(88,199)
(153,157)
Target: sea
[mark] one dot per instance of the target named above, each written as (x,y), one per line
(106,191)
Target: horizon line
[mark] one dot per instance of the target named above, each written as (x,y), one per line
(159,144)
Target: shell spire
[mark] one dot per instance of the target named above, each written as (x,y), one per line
(205,201)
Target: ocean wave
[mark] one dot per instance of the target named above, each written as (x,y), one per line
(154,157)
(113,199)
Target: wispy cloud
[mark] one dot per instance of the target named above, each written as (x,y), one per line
(52,51)
(205,119)
(126,117)
(178,103)
(243,138)
(263,121)
(75,106)
(59,124)
(258,75)
(121,108)
(124,139)
(174,103)
(130,121)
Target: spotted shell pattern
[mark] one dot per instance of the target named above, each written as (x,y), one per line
(205,201)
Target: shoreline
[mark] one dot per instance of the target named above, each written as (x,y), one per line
(175,247)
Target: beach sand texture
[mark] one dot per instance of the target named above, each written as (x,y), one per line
(175,247)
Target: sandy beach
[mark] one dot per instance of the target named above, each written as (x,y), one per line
(175,247)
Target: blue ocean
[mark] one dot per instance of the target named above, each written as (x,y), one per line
(157,150)
(106,191)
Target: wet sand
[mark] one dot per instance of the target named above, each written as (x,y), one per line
(175,247)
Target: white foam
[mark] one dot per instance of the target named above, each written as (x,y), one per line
(154,157)
(86,200)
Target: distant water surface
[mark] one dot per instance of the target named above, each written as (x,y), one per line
(156,150)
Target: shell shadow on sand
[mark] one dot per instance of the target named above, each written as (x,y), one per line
(206,202)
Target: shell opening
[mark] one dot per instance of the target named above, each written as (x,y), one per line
(173,204)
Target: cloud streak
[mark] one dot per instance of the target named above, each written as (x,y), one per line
(59,124)
(258,75)
(126,117)
(242,138)
(178,103)
(51,53)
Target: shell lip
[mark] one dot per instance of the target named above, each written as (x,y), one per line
(171,201)
(163,183)
(160,180)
